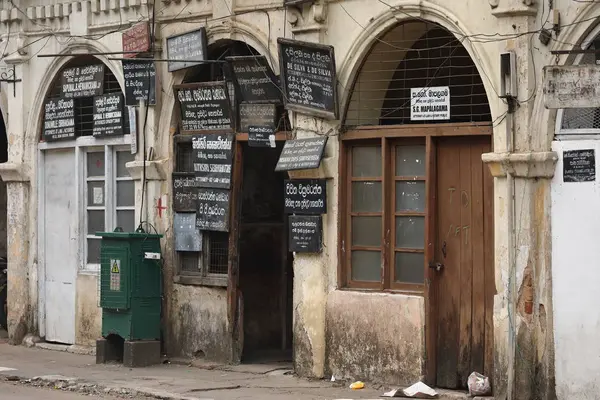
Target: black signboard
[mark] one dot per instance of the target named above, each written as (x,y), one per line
(59,119)
(187,46)
(261,136)
(305,196)
(308,77)
(579,166)
(256,81)
(305,233)
(140,82)
(258,115)
(213,209)
(187,236)
(185,192)
(301,154)
(84,81)
(213,157)
(204,106)
(108,115)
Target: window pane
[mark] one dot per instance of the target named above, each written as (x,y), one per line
(410,160)
(366,266)
(218,252)
(123,157)
(95,164)
(126,220)
(366,231)
(93,251)
(95,221)
(410,267)
(366,196)
(366,161)
(125,193)
(410,196)
(189,261)
(95,193)
(410,232)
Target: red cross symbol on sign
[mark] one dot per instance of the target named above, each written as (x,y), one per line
(160,207)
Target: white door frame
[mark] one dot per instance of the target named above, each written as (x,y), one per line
(79,144)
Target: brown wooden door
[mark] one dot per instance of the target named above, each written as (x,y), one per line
(465,247)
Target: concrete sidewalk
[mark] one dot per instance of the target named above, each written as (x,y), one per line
(169,381)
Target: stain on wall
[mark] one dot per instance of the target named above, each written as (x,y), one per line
(3,231)
(375,337)
(198,321)
(88,316)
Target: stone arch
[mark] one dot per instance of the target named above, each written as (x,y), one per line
(388,20)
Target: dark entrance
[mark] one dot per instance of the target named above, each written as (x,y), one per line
(265,267)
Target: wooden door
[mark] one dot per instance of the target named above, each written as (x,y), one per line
(60,244)
(464,246)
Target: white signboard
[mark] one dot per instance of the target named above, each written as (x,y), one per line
(133,128)
(572,86)
(430,104)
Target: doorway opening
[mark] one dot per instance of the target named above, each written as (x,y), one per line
(4,301)
(266,271)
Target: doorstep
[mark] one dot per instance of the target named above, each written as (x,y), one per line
(73,348)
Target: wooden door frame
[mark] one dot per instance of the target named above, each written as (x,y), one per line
(234,306)
(429,132)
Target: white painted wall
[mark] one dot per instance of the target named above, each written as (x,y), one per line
(575,216)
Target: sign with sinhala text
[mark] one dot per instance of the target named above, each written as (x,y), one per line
(140,82)
(571,86)
(204,106)
(301,154)
(430,103)
(579,166)
(136,38)
(85,81)
(213,210)
(213,158)
(308,78)
(59,119)
(187,46)
(108,115)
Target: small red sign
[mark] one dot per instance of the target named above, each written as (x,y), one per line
(136,38)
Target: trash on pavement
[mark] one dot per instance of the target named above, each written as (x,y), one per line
(479,385)
(357,385)
(417,391)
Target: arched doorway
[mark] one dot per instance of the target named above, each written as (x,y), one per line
(249,261)
(84,188)
(417,201)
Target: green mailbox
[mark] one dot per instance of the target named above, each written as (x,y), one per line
(130,285)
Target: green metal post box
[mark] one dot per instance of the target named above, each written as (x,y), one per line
(130,285)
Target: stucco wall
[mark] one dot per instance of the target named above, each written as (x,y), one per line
(575,217)
(375,337)
(199,323)
(88,316)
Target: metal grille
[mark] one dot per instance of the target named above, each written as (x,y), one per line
(84,106)
(583,118)
(216,244)
(219,251)
(415,55)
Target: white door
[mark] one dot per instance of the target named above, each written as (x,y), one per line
(60,243)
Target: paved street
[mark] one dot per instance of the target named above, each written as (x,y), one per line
(9,391)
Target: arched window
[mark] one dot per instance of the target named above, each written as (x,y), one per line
(416,54)
(100,184)
(582,121)
(416,76)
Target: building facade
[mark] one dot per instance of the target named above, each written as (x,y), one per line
(447,239)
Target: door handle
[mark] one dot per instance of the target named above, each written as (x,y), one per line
(438,266)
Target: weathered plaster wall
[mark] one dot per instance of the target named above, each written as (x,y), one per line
(575,222)
(375,337)
(88,316)
(199,323)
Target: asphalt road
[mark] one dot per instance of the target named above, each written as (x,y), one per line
(9,391)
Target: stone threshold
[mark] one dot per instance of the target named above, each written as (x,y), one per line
(73,348)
